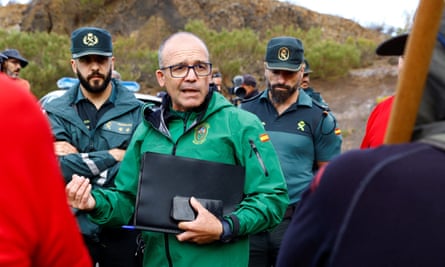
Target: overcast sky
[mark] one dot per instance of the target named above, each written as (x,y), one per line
(367,13)
(376,12)
(4,2)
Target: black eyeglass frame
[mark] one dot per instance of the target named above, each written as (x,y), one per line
(188,69)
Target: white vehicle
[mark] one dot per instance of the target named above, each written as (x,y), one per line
(66,82)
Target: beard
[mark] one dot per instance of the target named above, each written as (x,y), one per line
(280,96)
(97,87)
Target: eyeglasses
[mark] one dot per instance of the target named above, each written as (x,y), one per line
(182,70)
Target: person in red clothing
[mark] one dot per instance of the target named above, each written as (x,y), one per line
(379,117)
(37,227)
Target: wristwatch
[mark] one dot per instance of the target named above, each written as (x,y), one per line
(227,234)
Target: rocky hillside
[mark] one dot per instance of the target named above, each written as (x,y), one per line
(128,17)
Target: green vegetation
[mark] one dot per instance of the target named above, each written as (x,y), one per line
(233,52)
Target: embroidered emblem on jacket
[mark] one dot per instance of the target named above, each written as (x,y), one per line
(301,125)
(201,133)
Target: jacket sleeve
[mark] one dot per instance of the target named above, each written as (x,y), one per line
(115,206)
(98,165)
(265,189)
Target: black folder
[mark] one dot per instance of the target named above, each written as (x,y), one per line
(163,177)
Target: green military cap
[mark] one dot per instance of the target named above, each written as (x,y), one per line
(284,53)
(91,41)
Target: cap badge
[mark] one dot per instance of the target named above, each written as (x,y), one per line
(283,54)
(90,39)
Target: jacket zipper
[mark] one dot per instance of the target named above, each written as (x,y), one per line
(260,160)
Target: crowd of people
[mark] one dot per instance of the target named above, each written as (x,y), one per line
(303,203)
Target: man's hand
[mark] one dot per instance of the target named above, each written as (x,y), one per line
(204,229)
(118,154)
(63,148)
(78,192)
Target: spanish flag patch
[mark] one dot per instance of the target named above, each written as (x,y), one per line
(337,131)
(264,137)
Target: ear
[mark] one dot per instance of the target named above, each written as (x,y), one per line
(74,66)
(160,76)
(112,63)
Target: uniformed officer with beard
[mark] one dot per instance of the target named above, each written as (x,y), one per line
(93,123)
(304,134)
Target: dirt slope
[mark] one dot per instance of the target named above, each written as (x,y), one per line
(351,99)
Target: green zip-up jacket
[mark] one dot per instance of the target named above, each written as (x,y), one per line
(219,132)
(113,130)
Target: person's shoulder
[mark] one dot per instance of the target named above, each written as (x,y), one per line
(353,164)
(127,97)
(251,99)
(122,91)
(385,104)
(24,83)
(358,158)
(59,98)
(241,116)
(248,104)
(12,91)
(310,99)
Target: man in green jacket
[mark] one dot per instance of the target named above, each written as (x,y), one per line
(92,124)
(195,122)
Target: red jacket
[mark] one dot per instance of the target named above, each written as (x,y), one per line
(37,227)
(377,124)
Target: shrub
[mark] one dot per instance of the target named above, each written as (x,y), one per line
(233,52)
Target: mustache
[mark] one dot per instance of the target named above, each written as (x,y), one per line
(280,85)
(96,73)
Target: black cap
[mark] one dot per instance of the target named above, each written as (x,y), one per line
(284,53)
(394,46)
(12,53)
(91,41)
(249,80)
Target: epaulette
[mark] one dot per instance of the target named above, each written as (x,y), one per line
(323,106)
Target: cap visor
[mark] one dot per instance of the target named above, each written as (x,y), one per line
(23,63)
(85,53)
(283,66)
